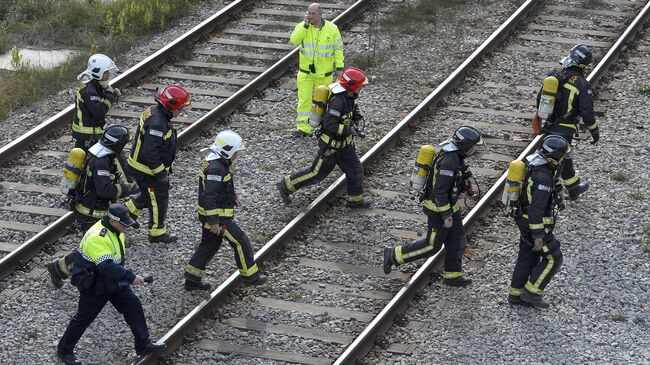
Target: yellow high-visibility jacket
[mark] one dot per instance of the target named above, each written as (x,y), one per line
(321,47)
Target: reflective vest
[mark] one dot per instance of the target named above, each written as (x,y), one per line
(100,244)
(322,47)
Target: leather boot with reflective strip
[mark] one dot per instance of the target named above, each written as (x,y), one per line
(534,300)
(455,279)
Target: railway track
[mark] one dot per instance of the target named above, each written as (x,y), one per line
(340,299)
(229,58)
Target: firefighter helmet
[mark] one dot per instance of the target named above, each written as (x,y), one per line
(173,98)
(580,55)
(554,148)
(225,145)
(115,137)
(351,80)
(466,138)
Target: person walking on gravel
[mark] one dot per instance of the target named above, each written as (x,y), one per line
(448,179)
(540,256)
(102,181)
(336,142)
(100,276)
(217,202)
(93,100)
(151,158)
(574,99)
(321,53)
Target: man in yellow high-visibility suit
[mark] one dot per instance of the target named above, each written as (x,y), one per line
(321,50)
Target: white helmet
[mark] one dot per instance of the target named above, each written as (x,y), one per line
(98,64)
(225,145)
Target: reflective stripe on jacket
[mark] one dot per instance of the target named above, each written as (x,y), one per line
(321,47)
(154,148)
(217,197)
(92,103)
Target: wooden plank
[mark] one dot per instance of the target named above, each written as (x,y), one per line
(594,32)
(477,96)
(496,126)
(148,100)
(37,170)
(493,156)
(562,40)
(407,235)
(237,42)
(553,18)
(25,227)
(242,55)
(225,347)
(55,212)
(314,309)
(505,142)
(274,98)
(193,91)
(392,214)
(386,193)
(345,290)
(488,111)
(305,4)
(135,116)
(221,66)
(55,154)
(7,247)
(503,85)
(257,33)
(202,78)
(344,246)
(583,11)
(291,13)
(256,21)
(415,325)
(251,324)
(357,269)
(31,188)
(400,348)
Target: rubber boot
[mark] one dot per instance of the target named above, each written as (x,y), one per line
(193,285)
(459,281)
(577,190)
(388,260)
(284,192)
(534,300)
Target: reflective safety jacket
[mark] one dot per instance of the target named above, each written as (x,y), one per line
(575,99)
(101,252)
(102,181)
(154,148)
(445,184)
(92,103)
(338,120)
(217,198)
(537,199)
(321,47)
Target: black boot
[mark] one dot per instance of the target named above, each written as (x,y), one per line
(193,285)
(459,281)
(284,192)
(164,238)
(388,260)
(55,274)
(516,300)
(533,299)
(261,279)
(578,189)
(149,348)
(68,359)
(365,203)
(135,224)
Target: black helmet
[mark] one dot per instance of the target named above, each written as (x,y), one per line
(554,148)
(465,138)
(581,55)
(115,137)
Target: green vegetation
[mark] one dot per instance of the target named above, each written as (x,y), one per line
(408,18)
(87,26)
(643,90)
(636,195)
(619,176)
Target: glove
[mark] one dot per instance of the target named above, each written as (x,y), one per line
(447,222)
(128,189)
(595,135)
(537,245)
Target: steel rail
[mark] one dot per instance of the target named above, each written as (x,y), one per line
(132,74)
(384,319)
(57,229)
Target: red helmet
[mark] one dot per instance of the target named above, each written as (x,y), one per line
(174,97)
(352,79)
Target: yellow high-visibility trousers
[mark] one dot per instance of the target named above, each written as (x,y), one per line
(307,82)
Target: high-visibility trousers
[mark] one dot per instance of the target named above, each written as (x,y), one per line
(307,82)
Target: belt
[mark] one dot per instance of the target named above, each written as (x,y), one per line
(334,143)
(308,72)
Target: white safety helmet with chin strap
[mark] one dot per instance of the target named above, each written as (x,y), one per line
(98,64)
(225,145)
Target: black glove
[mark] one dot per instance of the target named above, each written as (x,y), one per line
(130,188)
(595,135)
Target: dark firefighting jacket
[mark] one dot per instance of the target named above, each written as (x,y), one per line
(102,182)
(538,197)
(447,180)
(338,121)
(154,148)
(217,197)
(92,104)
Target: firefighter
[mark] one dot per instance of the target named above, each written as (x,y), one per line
(93,100)
(321,55)
(102,181)
(575,99)
(100,276)
(217,202)
(448,179)
(539,256)
(151,157)
(336,142)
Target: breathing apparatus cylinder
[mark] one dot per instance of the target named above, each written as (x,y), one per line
(72,170)
(318,105)
(423,165)
(548,97)
(512,187)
